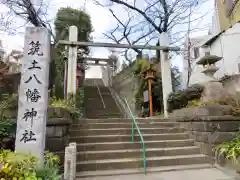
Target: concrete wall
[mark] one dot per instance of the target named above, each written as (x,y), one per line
(105,77)
(126,85)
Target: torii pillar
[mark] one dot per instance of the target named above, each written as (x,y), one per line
(72,61)
(166,72)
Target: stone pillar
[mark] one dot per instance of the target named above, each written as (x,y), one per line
(72,61)
(65,78)
(33,93)
(165,71)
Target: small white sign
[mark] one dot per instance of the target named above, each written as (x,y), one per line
(145,96)
(33,93)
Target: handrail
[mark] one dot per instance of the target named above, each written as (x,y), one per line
(134,124)
(120,102)
(100,94)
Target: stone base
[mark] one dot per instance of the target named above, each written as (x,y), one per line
(213,90)
(58,112)
(196,113)
(57,136)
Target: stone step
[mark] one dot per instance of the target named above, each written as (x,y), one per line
(104,113)
(97,97)
(96,102)
(97,117)
(103,125)
(118,146)
(136,153)
(100,108)
(124,131)
(88,174)
(135,145)
(120,138)
(95,90)
(104,146)
(128,163)
(125,120)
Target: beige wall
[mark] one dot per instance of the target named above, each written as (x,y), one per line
(226,21)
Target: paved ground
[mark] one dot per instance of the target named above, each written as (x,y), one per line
(202,174)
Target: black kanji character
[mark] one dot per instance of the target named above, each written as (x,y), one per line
(30,114)
(34,65)
(33,95)
(28,136)
(30,78)
(35,47)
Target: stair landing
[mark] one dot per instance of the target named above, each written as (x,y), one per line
(199,172)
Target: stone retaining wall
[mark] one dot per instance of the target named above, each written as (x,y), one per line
(57,135)
(126,85)
(210,131)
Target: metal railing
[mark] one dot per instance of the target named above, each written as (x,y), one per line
(120,103)
(100,94)
(135,126)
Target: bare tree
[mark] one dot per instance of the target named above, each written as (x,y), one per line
(35,14)
(124,32)
(162,15)
(152,17)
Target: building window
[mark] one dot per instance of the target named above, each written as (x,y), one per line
(196,52)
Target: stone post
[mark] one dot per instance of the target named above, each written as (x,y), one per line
(67,163)
(74,158)
(72,61)
(33,93)
(166,71)
(70,162)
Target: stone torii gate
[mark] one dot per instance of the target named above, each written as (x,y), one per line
(73,43)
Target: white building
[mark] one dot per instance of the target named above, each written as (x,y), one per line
(223,44)
(195,71)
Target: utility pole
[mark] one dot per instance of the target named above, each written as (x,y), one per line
(189,46)
(85,6)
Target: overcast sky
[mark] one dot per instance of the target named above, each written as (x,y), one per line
(102,21)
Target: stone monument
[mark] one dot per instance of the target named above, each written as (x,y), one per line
(33,93)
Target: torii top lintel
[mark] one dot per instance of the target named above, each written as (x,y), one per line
(111,45)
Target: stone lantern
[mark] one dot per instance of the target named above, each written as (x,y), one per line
(149,74)
(213,89)
(208,62)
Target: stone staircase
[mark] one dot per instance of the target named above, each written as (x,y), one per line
(104,147)
(94,107)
